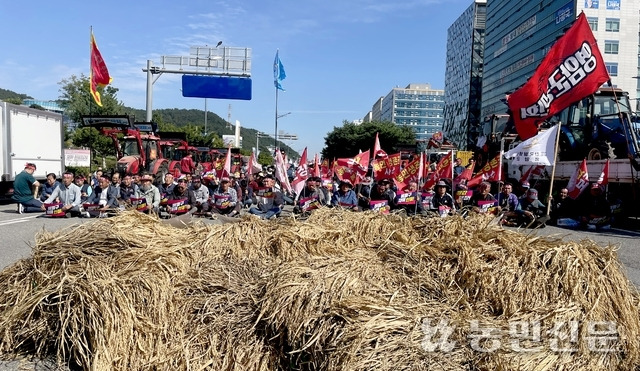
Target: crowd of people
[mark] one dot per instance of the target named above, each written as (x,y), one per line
(102,194)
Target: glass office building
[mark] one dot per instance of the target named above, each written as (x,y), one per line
(417,106)
(463,76)
(519,35)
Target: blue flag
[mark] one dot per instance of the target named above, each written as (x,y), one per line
(278,72)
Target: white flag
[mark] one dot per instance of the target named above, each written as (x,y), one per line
(537,150)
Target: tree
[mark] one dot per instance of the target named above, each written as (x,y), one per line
(75,97)
(91,138)
(349,139)
(264,158)
(13,100)
(37,106)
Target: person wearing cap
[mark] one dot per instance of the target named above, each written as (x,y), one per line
(268,199)
(345,196)
(202,195)
(149,192)
(181,191)
(482,195)
(49,186)
(532,211)
(524,187)
(596,210)
(225,199)
(442,202)
(69,195)
(382,192)
(23,192)
(85,189)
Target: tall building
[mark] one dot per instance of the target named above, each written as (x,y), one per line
(417,106)
(463,76)
(519,35)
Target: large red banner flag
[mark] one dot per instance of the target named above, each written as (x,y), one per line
(579,180)
(603,180)
(386,168)
(99,74)
(377,150)
(490,172)
(302,173)
(443,171)
(572,70)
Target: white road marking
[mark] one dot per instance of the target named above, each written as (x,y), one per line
(18,220)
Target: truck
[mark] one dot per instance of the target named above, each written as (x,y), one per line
(29,135)
(597,128)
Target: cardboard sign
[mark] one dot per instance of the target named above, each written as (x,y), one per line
(139,204)
(177,207)
(54,210)
(407,198)
(443,210)
(488,207)
(91,207)
(222,201)
(381,206)
(265,192)
(426,199)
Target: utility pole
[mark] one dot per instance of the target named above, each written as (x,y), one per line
(229,117)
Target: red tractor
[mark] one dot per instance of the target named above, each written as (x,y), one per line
(136,144)
(174,147)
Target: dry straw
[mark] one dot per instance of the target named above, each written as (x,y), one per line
(338,291)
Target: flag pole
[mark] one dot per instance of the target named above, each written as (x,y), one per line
(553,169)
(275,136)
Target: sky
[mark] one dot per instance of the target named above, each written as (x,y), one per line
(339,56)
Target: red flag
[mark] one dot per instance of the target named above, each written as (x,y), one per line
(443,170)
(572,70)
(225,169)
(316,167)
(377,150)
(281,173)
(490,172)
(603,180)
(302,173)
(532,170)
(411,172)
(579,180)
(386,168)
(99,74)
(325,170)
(352,169)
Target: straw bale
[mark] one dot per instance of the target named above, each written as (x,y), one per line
(337,291)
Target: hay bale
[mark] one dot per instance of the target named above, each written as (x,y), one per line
(340,290)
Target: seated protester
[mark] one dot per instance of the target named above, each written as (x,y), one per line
(182,192)
(202,195)
(409,199)
(115,180)
(442,202)
(225,199)
(166,188)
(135,178)
(253,184)
(95,179)
(596,211)
(311,197)
(49,186)
(210,181)
(69,195)
(23,192)
(482,198)
(563,207)
(345,197)
(524,187)
(363,191)
(462,196)
(508,204)
(532,211)
(234,183)
(149,192)
(105,195)
(381,192)
(127,189)
(85,189)
(268,199)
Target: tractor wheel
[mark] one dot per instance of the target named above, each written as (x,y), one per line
(594,154)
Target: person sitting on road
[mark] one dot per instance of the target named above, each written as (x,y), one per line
(85,189)
(182,192)
(442,202)
(202,195)
(532,211)
(524,187)
(105,195)
(507,205)
(49,186)
(166,188)
(482,199)
(127,189)
(23,192)
(69,195)
(563,210)
(150,193)
(95,179)
(596,210)
(225,199)
(268,199)
(382,192)
(311,197)
(345,197)
(363,191)
(115,180)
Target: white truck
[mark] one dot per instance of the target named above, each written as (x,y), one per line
(29,135)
